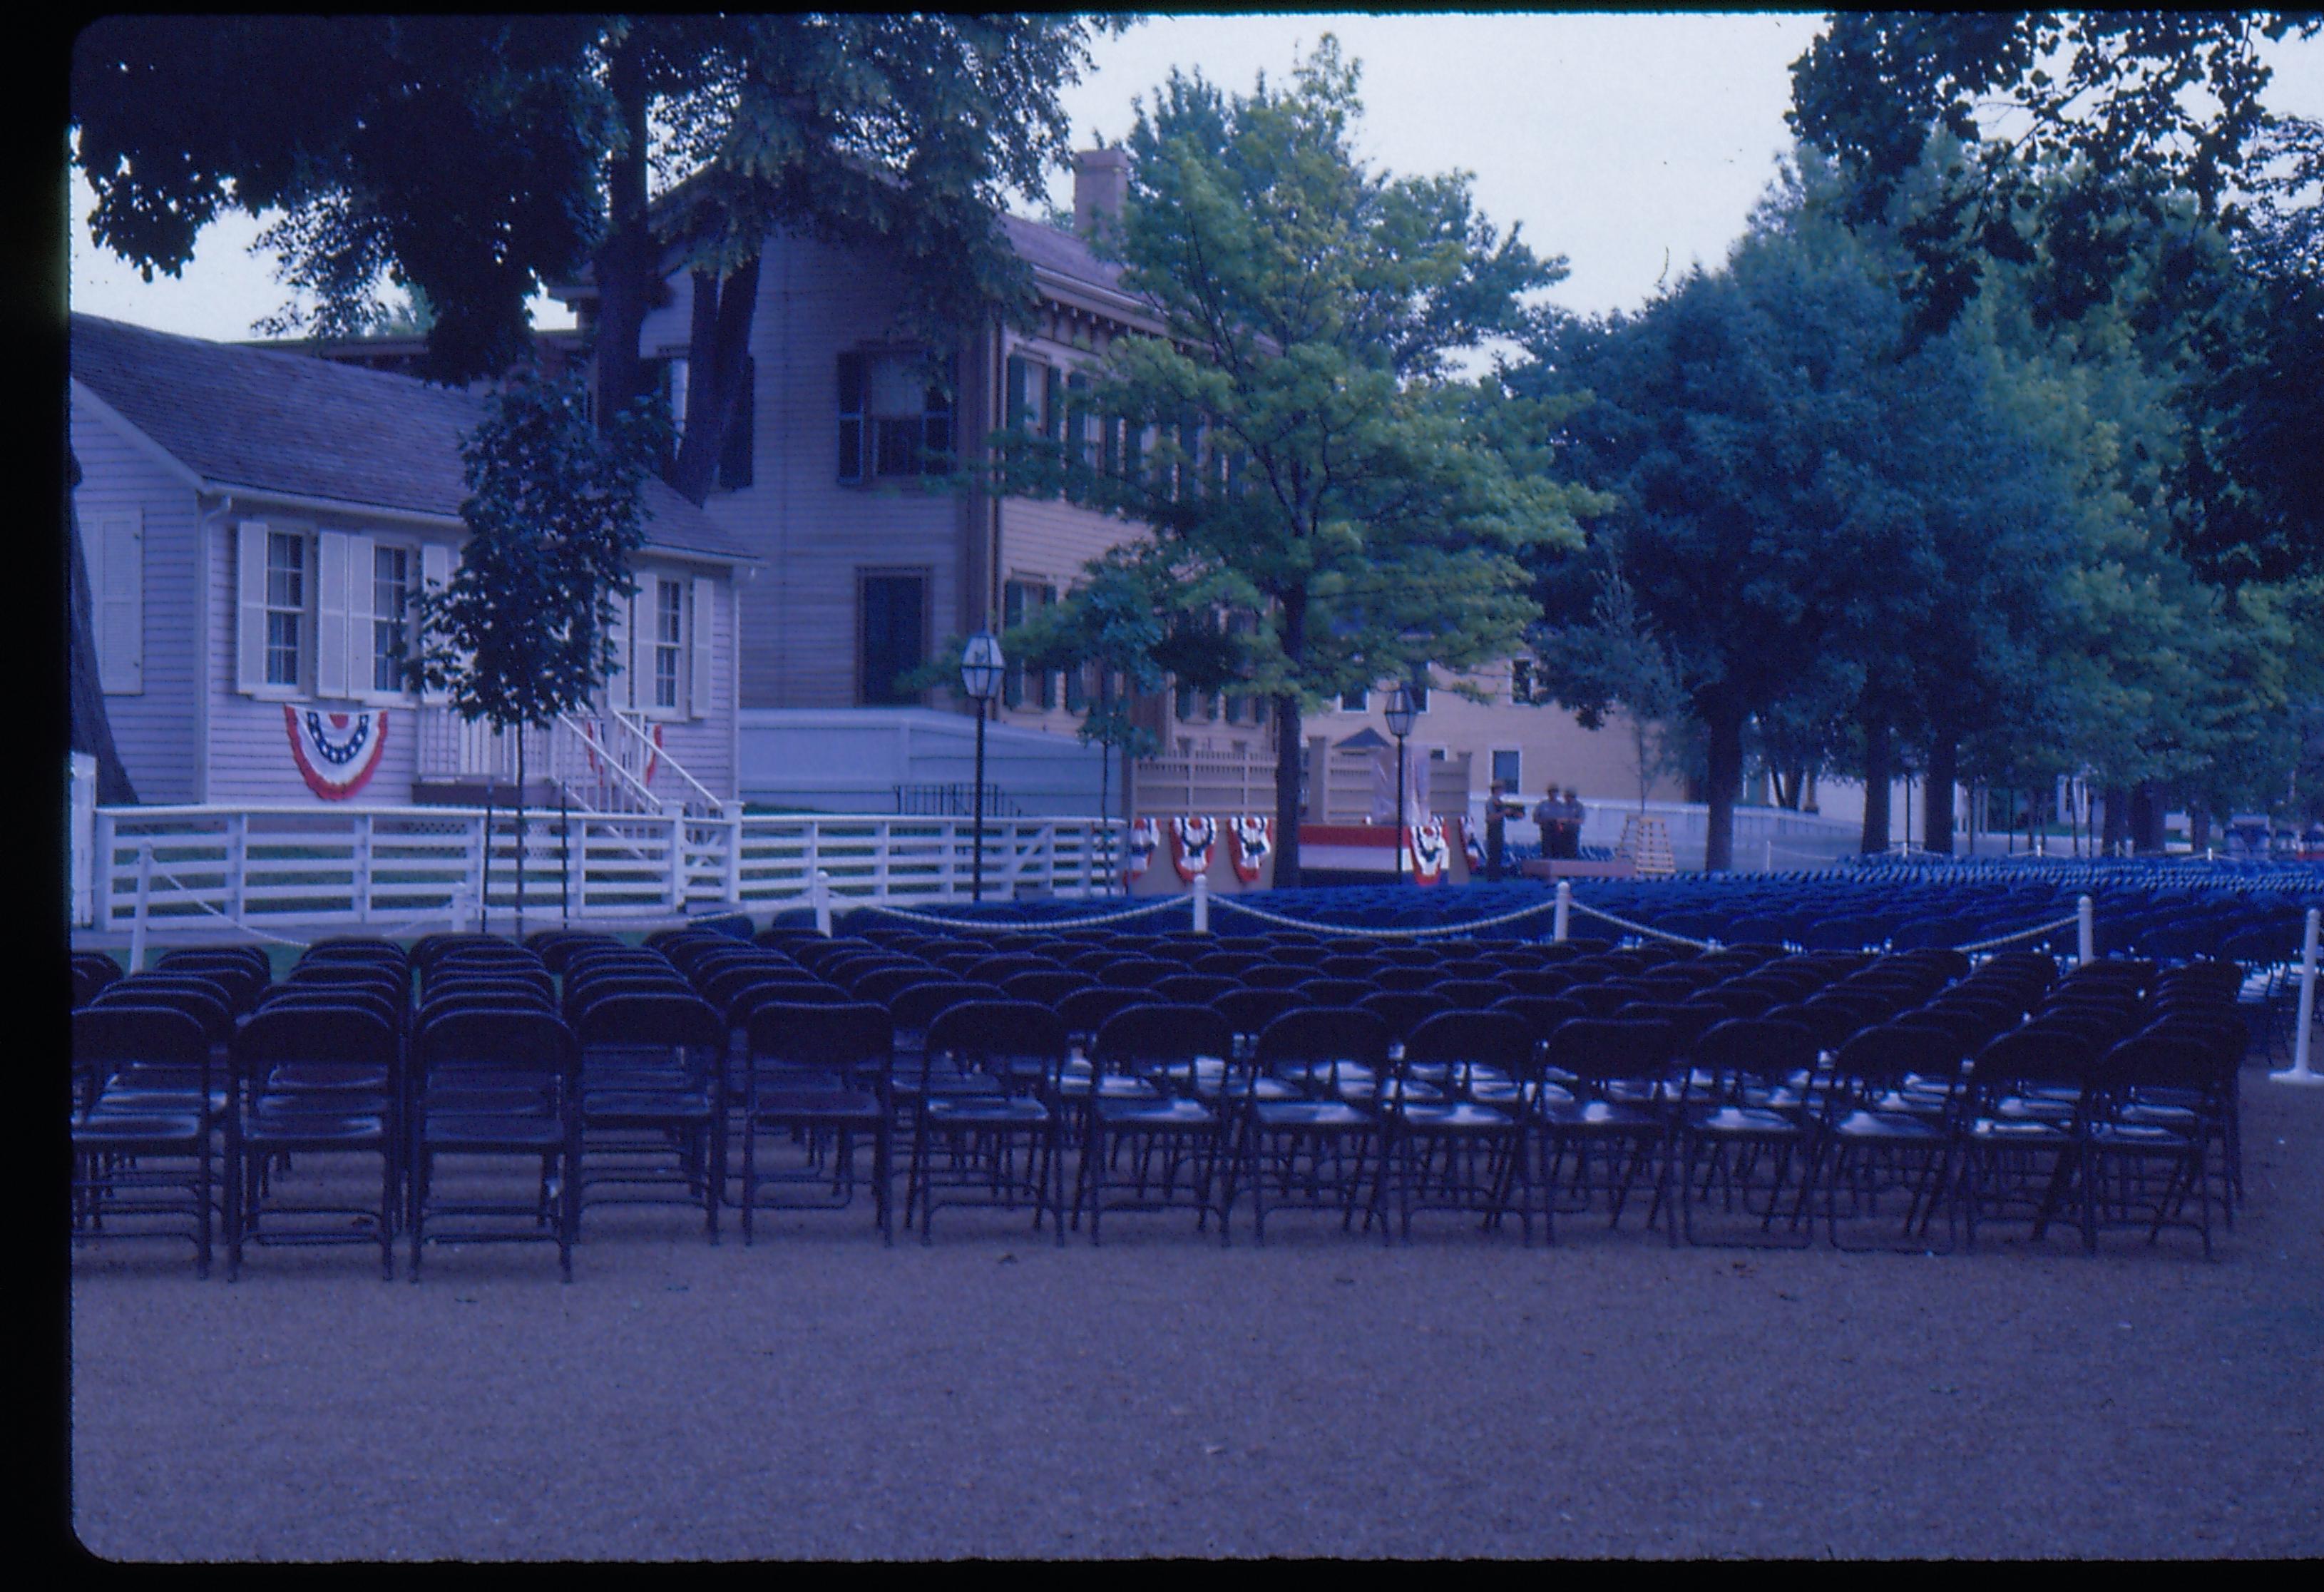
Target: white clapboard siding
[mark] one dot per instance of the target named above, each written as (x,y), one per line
(702,669)
(119,578)
(621,691)
(331,614)
(250,608)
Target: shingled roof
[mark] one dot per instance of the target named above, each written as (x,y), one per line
(289,424)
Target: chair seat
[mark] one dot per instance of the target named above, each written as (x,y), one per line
(985,1108)
(1743,1121)
(2139,1135)
(1309,1113)
(135,1099)
(2027,1129)
(818,1105)
(1895,1125)
(298,1076)
(1155,1112)
(602,1108)
(290,1130)
(1452,1115)
(1412,1089)
(454,1130)
(128,1129)
(1600,1116)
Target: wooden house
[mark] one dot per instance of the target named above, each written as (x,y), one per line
(256,525)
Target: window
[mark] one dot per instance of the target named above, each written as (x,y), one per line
(1077,689)
(391,607)
(1520,679)
(892,423)
(1018,599)
(892,632)
(1077,418)
(1355,701)
(669,640)
(286,605)
(1037,398)
(1508,769)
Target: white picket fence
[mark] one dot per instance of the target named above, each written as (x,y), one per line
(390,866)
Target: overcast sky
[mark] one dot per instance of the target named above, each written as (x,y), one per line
(1630,145)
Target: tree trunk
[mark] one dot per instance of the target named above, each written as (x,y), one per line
(2117,820)
(1937,794)
(625,262)
(2146,806)
(520,831)
(1725,725)
(1879,769)
(2199,826)
(91,728)
(1291,749)
(717,361)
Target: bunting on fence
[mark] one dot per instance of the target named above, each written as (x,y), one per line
(1254,839)
(1472,844)
(337,752)
(1430,852)
(1145,837)
(1191,839)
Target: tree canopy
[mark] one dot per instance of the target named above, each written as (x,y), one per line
(1293,443)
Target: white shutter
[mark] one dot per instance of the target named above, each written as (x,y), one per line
(120,580)
(435,574)
(361,642)
(698,675)
(330,614)
(621,689)
(250,589)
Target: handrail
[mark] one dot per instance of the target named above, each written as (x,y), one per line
(663,756)
(606,759)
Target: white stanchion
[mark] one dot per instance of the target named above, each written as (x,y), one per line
(1202,904)
(1564,911)
(144,893)
(2086,931)
(2303,1036)
(820,893)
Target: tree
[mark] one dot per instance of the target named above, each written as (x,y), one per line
(1619,661)
(523,631)
(1110,626)
(900,131)
(1310,463)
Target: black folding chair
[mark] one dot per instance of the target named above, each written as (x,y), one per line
(1452,1120)
(320,1078)
(822,1072)
(497,1083)
(965,1139)
(653,1090)
(1142,1096)
(1320,1144)
(147,1105)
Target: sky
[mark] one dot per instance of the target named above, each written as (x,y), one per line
(1633,145)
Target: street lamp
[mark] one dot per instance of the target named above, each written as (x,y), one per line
(980,668)
(1399,724)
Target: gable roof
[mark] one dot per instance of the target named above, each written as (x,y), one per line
(303,427)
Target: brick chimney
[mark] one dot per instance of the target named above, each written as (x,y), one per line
(1100,185)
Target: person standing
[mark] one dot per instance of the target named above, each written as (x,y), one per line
(1497,815)
(1574,813)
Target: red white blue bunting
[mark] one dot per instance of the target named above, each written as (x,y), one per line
(1145,838)
(337,752)
(1430,852)
(1254,839)
(1472,844)
(1191,839)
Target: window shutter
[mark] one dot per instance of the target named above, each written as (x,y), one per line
(700,673)
(1018,414)
(435,575)
(330,614)
(621,687)
(851,417)
(1052,409)
(250,592)
(362,647)
(120,580)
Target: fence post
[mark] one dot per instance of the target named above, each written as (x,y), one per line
(677,861)
(144,890)
(81,775)
(1563,913)
(1202,904)
(734,829)
(2086,931)
(237,860)
(1770,843)
(820,894)
(359,853)
(2302,1037)
(103,864)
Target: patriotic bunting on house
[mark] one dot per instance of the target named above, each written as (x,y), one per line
(337,752)
(1429,852)
(1145,836)
(1472,844)
(1191,839)
(1254,837)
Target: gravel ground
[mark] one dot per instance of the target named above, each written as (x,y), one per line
(815,1396)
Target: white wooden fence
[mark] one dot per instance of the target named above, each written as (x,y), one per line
(394,865)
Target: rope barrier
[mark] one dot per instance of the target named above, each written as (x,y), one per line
(2034,933)
(1468,926)
(1645,928)
(184,889)
(1021,925)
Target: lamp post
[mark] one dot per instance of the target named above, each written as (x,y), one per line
(1399,724)
(980,668)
